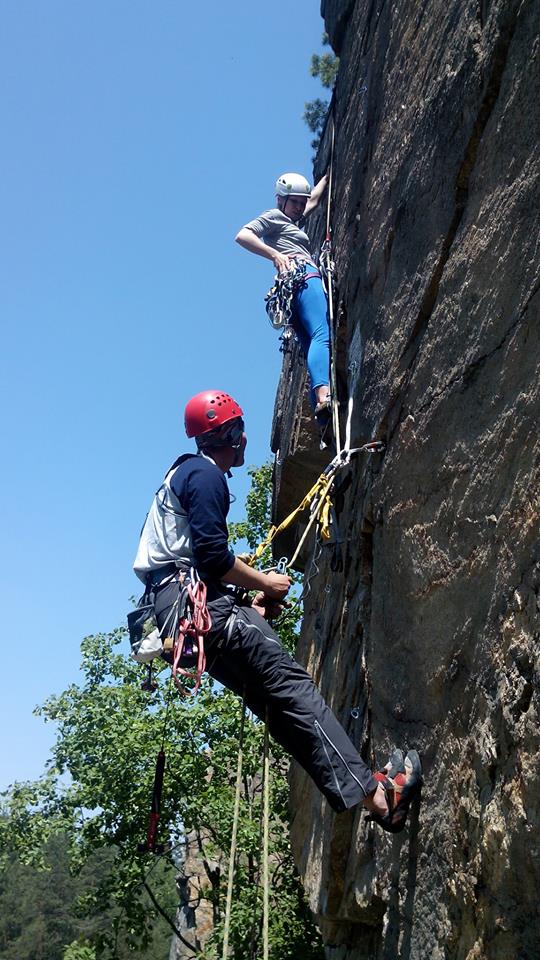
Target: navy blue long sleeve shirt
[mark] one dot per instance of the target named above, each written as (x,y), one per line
(203,493)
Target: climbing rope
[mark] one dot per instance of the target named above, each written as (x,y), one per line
(318,499)
(189,633)
(236,818)
(266,829)
(265,838)
(327,270)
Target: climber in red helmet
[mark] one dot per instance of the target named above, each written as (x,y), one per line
(186,529)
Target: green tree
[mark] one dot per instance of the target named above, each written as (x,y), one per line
(98,785)
(79,950)
(325,67)
(42,908)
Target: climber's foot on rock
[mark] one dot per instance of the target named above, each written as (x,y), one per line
(323,416)
(324,408)
(323,419)
(399,784)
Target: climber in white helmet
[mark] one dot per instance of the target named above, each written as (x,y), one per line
(278,235)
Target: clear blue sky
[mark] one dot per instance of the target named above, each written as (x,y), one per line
(137,137)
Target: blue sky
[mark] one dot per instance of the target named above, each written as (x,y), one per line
(137,138)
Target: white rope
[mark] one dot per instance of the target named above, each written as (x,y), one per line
(266,829)
(232,854)
(347,448)
(329,270)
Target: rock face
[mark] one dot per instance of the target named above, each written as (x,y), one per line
(194,915)
(429,637)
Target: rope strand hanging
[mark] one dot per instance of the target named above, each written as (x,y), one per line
(265,845)
(236,818)
(327,269)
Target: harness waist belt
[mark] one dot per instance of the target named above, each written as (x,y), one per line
(154,577)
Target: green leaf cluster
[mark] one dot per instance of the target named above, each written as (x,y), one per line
(325,67)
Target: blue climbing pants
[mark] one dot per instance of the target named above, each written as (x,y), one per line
(310,322)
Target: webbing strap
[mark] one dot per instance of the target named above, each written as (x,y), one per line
(322,487)
(318,498)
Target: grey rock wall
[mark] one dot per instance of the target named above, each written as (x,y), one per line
(430,636)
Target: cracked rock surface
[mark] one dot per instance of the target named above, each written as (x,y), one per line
(430,635)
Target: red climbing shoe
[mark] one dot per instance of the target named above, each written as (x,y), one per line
(401,780)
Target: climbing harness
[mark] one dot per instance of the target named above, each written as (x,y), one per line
(278,302)
(279,299)
(188,641)
(180,641)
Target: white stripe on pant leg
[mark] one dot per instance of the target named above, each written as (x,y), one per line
(336,781)
(252,626)
(343,760)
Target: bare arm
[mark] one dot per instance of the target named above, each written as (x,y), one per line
(247,239)
(316,195)
(273,585)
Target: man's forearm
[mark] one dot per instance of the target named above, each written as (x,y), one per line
(242,575)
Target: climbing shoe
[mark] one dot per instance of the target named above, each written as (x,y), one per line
(323,411)
(323,417)
(401,780)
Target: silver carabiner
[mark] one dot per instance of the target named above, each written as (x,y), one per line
(282,565)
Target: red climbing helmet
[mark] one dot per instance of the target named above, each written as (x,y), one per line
(208,411)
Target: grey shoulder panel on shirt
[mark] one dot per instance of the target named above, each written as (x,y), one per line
(267,222)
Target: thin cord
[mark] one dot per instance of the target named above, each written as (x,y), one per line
(168,920)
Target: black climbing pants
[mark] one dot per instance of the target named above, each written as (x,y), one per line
(246,655)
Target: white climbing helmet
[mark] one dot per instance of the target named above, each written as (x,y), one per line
(292,185)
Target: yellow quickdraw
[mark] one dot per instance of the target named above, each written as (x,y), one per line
(321,513)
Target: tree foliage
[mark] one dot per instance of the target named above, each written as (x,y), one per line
(325,67)
(42,908)
(96,794)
